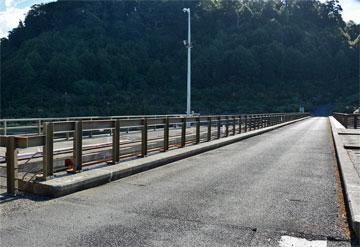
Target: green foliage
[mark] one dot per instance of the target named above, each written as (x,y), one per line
(127,57)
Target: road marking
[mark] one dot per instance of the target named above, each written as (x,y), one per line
(288,241)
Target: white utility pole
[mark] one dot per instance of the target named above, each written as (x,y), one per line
(188,45)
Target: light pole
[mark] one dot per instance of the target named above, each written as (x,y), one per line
(188,45)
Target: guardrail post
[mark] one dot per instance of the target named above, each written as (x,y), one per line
(144,137)
(166,134)
(265,121)
(197,133)
(227,126)
(260,122)
(91,132)
(67,133)
(48,151)
(245,123)
(11,166)
(355,121)
(5,128)
(218,127)
(39,127)
(234,126)
(209,129)
(116,142)
(78,146)
(183,132)
(239,131)
(345,121)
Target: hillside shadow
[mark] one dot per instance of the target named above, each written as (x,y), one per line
(323,110)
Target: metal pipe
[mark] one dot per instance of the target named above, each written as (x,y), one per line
(189,46)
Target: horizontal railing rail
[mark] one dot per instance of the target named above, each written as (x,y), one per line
(349,121)
(31,126)
(187,129)
(34,126)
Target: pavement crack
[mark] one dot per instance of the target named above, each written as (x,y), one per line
(296,200)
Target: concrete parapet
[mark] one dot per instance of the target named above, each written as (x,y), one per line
(350,177)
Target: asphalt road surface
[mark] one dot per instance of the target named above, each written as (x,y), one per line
(275,189)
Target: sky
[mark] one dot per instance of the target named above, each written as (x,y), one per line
(11,11)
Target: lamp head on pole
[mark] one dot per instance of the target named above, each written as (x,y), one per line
(186,10)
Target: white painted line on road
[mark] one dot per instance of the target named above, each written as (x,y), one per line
(288,241)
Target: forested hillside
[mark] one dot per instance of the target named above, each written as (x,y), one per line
(128,57)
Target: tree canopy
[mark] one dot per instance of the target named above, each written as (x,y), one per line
(71,58)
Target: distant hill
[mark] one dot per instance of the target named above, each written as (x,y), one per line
(127,57)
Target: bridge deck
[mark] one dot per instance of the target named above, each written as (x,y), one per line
(250,193)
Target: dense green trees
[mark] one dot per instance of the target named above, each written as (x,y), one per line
(127,57)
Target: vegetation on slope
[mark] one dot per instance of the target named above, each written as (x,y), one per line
(127,57)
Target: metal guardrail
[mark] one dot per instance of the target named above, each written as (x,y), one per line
(33,126)
(237,124)
(349,121)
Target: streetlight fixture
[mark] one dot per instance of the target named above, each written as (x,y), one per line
(188,46)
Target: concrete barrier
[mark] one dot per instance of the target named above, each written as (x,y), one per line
(350,177)
(60,186)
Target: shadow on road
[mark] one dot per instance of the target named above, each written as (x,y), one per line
(4,197)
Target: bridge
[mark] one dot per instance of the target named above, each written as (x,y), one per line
(284,179)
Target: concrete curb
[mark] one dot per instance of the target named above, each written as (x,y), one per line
(349,176)
(61,186)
